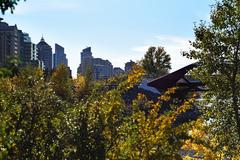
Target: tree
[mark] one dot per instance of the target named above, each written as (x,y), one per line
(151,135)
(5,72)
(30,115)
(103,126)
(80,86)
(217,48)
(156,62)
(61,81)
(8,4)
(38,123)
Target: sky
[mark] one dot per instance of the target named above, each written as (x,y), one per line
(117,30)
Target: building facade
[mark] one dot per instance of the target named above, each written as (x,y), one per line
(117,71)
(16,44)
(45,54)
(86,61)
(59,56)
(26,49)
(129,65)
(9,42)
(102,69)
(29,53)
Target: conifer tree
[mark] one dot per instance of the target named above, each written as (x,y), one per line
(156,62)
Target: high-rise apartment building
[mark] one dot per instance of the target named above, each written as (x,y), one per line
(59,56)
(102,69)
(86,61)
(45,54)
(9,42)
(16,44)
(29,51)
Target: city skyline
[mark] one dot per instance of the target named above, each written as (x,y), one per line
(100,68)
(116,30)
(29,53)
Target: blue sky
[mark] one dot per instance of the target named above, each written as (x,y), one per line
(118,30)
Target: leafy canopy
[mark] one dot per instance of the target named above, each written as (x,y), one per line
(217,49)
(94,122)
(8,4)
(156,62)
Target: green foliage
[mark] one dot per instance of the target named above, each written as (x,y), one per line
(8,4)
(206,146)
(39,123)
(11,68)
(5,72)
(80,86)
(30,115)
(156,62)
(89,76)
(61,81)
(151,136)
(217,50)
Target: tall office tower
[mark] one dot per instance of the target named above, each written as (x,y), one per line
(9,42)
(102,69)
(86,61)
(129,65)
(59,56)
(45,54)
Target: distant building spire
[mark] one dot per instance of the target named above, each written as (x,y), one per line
(42,39)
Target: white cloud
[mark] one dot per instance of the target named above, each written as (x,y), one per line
(173,45)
